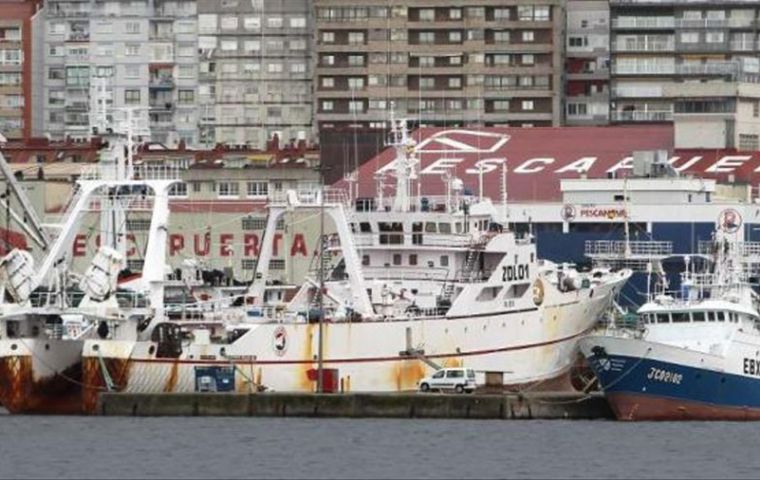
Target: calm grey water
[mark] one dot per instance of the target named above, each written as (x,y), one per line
(65,447)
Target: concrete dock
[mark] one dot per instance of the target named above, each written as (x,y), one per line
(543,405)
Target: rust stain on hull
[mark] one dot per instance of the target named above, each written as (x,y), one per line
(94,383)
(408,373)
(20,392)
(171,382)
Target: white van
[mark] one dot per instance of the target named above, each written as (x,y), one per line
(458,379)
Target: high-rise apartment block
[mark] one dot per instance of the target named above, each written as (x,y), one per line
(147,50)
(442,62)
(17,20)
(255,71)
(662,48)
(587,63)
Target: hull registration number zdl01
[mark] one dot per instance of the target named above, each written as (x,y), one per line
(660,375)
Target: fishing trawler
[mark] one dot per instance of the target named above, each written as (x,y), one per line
(694,355)
(407,284)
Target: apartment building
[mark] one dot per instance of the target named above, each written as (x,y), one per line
(255,71)
(587,63)
(442,62)
(147,50)
(17,33)
(659,48)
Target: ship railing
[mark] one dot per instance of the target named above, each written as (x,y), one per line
(427,203)
(745,249)
(623,249)
(417,239)
(423,272)
(311,197)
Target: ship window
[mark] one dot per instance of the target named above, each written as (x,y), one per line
(663,318)
(444,228)
(390,227)
(721,316)
(710,316)
(413,259)
(430,227)
(680,317)
(458,227)
(488,293)
(397,259)
(365,260)
(517,290)
(444,261)
(698,316)
(365,227)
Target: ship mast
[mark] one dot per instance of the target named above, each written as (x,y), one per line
(405,163)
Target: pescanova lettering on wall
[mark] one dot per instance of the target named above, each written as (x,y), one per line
(608,213)
(202,245)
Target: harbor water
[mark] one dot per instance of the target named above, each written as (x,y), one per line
(92,447)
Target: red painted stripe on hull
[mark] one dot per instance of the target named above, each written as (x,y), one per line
(358,360)
(638,407)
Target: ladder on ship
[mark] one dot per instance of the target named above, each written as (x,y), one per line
(468,269)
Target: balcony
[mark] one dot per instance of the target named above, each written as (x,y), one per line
(162,82)
(642,116)
(161,105)
(717,68)
(743,46)
(638,91)
(78,37)
(644,23)
(644,46)
(644,69)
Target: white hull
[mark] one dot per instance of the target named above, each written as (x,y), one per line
(530,345)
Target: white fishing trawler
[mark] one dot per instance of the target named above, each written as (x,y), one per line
(695,353)
(407,284)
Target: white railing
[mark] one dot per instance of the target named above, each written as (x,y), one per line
(105,172)
(643,22)
(644,46)
(642,116)
(644,69)
(621,248)
(311,197)
(420,239)
(638,92)
(744,249)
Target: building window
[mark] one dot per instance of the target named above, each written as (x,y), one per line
(186,96)
(132,27)
(427,14)
(328,37)
(355,38)
(528,36)
(138,224)
(527,105)
(276,264)
(228,189)
(178,190)
(254,223)
(426,37)
(132,97)
(248,264)
(528,59)
(328,106)
(356,106)
(749,143)
(455,37)
(257,189)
